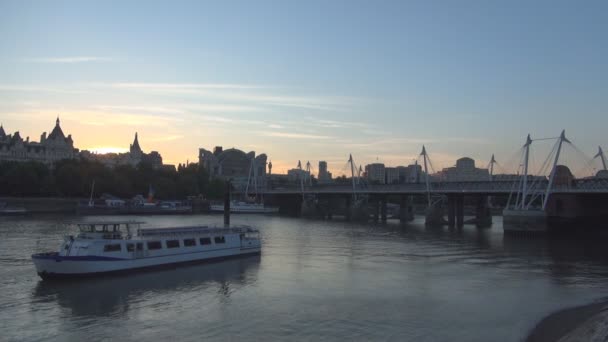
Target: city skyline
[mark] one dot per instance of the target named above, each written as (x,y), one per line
(307,81)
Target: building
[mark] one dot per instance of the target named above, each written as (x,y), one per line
(294,175)
(324,176)
(375,173)
(48,150)
(135,156)
(464,171)
(392,175)
(233,164)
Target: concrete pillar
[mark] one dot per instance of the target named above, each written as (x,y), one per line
(383,209)
(376,205)
(451,211)
(406,210)
(460,211)
(483,214)
(348,208)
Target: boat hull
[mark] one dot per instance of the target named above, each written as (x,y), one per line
(233,210)
(52,266)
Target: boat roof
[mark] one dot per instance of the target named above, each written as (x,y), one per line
(195,230)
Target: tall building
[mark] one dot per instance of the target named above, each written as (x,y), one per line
(375,173)
(324,175)
(50,149)
(234,164)
(464,171)
(392,175)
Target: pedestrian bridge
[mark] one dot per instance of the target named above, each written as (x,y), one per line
(581,186)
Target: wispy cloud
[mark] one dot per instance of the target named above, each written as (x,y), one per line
(293,135)
(40,89)
(166,138)
(240,93)
(74,59)
(181,86)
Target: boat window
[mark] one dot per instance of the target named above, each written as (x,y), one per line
(130,247)
(220,239)
(189,242)
(205,241)
(172,243)
(154,245)
(140,246)
(115,247)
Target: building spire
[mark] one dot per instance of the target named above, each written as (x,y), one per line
(2,133)
(57,121)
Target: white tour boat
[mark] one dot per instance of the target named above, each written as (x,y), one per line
(103,247)
(237,207)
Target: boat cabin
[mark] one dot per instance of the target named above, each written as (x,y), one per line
(106,230)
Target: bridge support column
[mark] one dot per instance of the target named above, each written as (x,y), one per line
(383,209)
(460,211)
(406,209)
(451,211)
(483,214)
(376,205)
(348,209)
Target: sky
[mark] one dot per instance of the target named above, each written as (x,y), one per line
(308,80)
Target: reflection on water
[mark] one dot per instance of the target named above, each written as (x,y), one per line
(314,280)
(108,295)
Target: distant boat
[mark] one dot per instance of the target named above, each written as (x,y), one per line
(244,207)
(6,210)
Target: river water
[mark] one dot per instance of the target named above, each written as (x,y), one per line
(315,280)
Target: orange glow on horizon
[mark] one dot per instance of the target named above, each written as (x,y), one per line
(107,149)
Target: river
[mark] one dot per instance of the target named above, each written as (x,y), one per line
(315,280)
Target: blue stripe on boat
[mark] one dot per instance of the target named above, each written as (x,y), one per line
(75,258)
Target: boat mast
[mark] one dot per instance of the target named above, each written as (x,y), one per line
(91,198)
(248,179)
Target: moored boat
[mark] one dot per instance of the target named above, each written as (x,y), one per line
(6,210)
(103,247)
(245,207)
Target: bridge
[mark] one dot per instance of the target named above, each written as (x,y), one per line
(579,186)
(530,198)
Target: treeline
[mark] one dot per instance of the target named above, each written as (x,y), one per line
(73,178)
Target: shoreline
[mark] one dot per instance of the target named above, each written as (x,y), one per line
(579,323)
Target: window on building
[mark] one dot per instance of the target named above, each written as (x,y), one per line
(154,245)
(189,242)
(172,243)
(115,247)
(219,239)
(205,241)
(130,247)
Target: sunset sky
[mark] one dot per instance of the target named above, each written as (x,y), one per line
(308,80)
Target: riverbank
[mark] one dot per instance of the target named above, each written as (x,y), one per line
(43,205)
(583,323)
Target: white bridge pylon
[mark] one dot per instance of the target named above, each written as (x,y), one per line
(528,192)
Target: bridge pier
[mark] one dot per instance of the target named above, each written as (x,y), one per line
(383,209)
(459,211)
(483,214)
(455,210)
(451,211)
(348,208)
(376,209)
(406,210)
